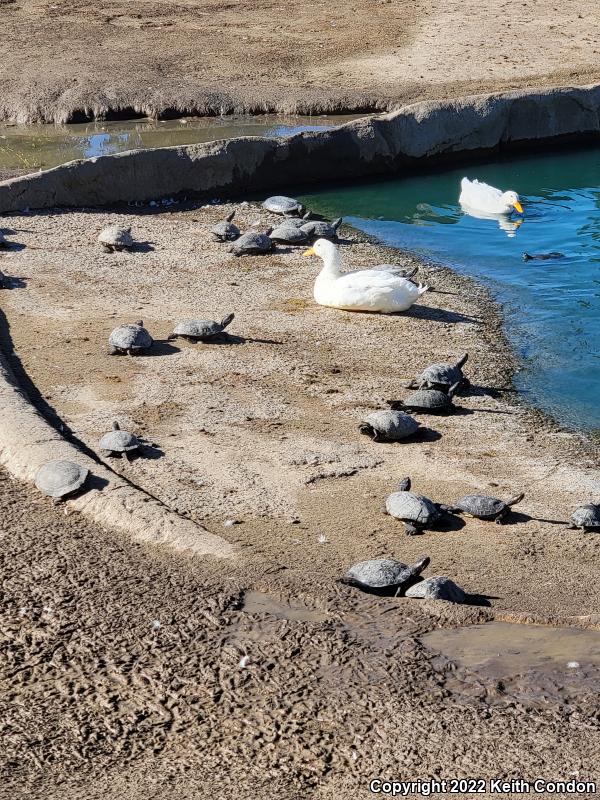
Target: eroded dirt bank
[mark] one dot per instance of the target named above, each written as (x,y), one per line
(122,673)
(205,57)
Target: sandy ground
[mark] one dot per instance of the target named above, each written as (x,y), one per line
(207,56)
(121,669)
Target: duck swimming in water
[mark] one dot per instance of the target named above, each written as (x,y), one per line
(380,289)
(484,201)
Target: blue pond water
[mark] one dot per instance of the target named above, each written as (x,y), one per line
(551,308)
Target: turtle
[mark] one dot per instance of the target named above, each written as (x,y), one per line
(59,479)
(542,256)
(118,443)
(201,330)
(252,243)
(586,517)
(483,506)
(289,234)
(437,587)
(320,229)
(383,576)
(226,231)
(429,401)
(441,376)
(131,339)
(286,206)
(388,426)
(417,512)
(116,238)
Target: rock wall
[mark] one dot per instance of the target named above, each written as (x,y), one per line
(379,145)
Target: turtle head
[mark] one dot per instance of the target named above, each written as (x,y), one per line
(404,485)
(514,500)
(116,426)
(230,217)
(336,223)
(368,430)
(140,323)
(461,361)
(227,320)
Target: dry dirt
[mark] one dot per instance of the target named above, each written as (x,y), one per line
(121,664)
(207,56)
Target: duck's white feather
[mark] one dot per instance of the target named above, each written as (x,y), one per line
(376,289)
(482,199)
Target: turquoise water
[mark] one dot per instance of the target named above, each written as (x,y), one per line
(551,308)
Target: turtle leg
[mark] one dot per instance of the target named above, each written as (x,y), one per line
(501,518)
(113,351)
(128,455)
(56,501)
(410,529)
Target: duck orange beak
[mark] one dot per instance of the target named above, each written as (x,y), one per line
(519,207)
(309,252)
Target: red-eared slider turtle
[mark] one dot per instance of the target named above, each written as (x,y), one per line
(438,587)
(252,244)
(118,442)
(415,511)
(586,517)
(429,401)
(201,330)
(383,576)
(116,238)
(542,256)
(288,234)
(441,376)
(131,339)
(286,206)
(320,229)
(483,506)
(59,479)
(226,231)
(388,426)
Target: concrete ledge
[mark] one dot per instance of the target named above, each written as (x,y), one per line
(27,441)
(380,145)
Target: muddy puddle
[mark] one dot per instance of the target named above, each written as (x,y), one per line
(533,664)
(262,603)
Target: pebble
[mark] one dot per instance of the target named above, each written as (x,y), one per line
(438,587)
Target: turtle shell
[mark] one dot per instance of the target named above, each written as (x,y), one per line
(437,587)
(392,425)
(116,236)
(481,505)
(320,229)
(411,507)
(289,234)
(252,243)
(280,204)
(198,328)
(60,478)
(428,399)
(119,441)
(226,231)
(382,575)
(130,337)
(587,516)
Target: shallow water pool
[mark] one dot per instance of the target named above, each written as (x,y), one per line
(552,308)
(44,146)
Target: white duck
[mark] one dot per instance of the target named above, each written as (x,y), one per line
(484,201)
(379,289)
